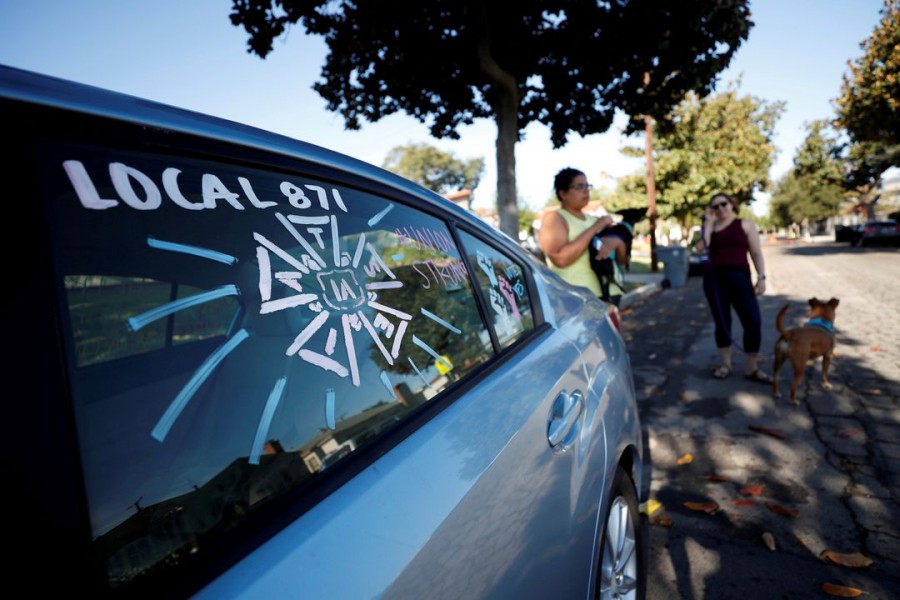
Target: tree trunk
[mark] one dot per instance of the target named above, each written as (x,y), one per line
(651,190)
(507,133)
(507,111)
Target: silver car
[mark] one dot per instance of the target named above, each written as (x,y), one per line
(245,366)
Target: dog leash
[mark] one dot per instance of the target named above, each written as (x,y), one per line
(715,289)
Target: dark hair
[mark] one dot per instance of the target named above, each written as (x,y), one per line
(563,180)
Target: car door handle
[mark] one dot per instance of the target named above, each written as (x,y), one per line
(564,418)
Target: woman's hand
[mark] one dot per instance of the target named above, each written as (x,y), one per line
(760,287)
(607,247)
(602,223)
(710,215)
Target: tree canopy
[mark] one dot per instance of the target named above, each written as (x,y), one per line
(433,168)
(567,64)
(868,108)
(812,190)
(721,142)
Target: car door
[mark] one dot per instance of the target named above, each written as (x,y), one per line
(478,502)
(525,527)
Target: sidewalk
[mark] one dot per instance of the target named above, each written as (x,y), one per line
(652,282)
(751,464)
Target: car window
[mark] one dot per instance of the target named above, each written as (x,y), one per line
(97,332)
(502,283)
(235,331)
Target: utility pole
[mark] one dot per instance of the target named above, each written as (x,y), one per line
(651,182)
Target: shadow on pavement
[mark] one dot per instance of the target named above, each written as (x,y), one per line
(815,477)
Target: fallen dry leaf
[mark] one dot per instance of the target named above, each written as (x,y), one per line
(871,392)
(717,477)
(783,511)
(650,506)
(662,521)
(841,590)
(853,559)
(769,541)
(707,507)
(652,356)
(775,433)
(685,459)
(876,349)
(752,490)
(689,396)
(849,432)
(743,502)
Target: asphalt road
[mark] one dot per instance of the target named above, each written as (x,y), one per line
(820,478)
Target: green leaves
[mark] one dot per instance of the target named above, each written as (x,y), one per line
(433,168)
(813,189)
(721,142)
(869,104)
(566,65)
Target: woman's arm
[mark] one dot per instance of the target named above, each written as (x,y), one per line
(756,255)
(553,239)
(706,230)
(621,249)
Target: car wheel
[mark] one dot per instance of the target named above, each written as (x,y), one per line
(621,554)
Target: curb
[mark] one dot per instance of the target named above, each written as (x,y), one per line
(639,294)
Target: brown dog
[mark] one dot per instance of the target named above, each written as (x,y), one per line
(802,344)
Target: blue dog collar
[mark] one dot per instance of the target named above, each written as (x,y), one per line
(821,324)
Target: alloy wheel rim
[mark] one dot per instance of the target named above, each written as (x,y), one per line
(618,569)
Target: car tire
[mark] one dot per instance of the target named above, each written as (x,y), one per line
(622,569)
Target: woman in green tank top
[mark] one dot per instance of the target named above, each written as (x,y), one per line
(565,235)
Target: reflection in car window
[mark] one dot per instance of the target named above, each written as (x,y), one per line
(502,284)
(233,331)
(98,307)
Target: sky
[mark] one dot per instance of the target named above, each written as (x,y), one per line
(188,54)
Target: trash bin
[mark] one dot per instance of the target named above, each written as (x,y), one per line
(675,264)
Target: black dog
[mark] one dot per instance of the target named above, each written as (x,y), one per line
(610,270)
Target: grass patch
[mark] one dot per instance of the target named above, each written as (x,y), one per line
(640,265)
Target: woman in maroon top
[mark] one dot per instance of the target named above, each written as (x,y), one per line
(728,285)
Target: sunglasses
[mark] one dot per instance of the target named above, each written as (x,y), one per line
(718,205)
(581,187)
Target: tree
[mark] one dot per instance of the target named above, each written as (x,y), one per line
(567,64)
(526,219)
(813,189)
(869,106)
(721,142)
(433,168)
(622,197)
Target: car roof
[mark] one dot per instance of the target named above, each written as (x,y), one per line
(28,86)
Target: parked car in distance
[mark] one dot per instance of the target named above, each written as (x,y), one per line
(697,262)
(203,314)
(846,233)
(877,233)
